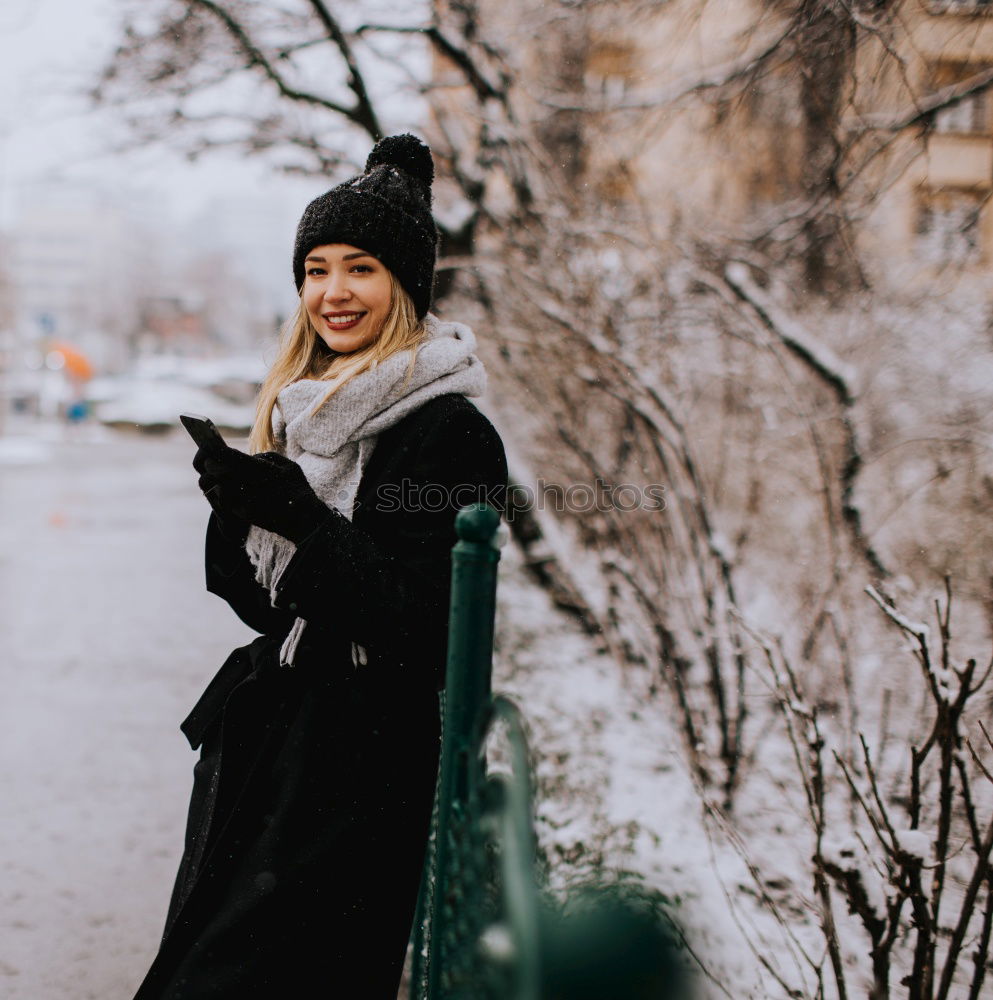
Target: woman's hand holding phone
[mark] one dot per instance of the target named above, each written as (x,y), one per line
(203,432)
(212,445)
(267,489)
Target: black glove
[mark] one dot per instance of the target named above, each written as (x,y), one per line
(267,489)
(234,529)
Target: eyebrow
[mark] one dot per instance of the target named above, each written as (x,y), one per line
(348,256)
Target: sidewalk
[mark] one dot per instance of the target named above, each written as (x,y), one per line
(106,638)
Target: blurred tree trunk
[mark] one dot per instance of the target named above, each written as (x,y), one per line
(825,56)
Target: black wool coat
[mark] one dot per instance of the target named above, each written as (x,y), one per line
(312,796)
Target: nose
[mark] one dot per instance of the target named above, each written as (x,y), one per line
(337,289)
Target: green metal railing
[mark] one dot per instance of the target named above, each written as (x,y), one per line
(476,930)
(480,931)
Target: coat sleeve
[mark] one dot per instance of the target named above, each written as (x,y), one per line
(395,594)
(231,576)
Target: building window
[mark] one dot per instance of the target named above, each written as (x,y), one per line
(948,225)
(969,116)
(610,69)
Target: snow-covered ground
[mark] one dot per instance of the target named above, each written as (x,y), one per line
(615,796)
(108,638)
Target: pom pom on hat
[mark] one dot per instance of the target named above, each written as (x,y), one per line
(405,152)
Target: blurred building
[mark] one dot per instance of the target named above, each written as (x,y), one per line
(702,113)
(73,262)
(170,324)
(915,186)
(936,211)
(245,281)
(110,272)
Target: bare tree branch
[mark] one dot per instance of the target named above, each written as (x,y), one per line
(925,107)
(256,58)
(746,67)
(817,360)
(363,114)
(458,56)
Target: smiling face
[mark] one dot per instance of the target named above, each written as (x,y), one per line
(347,294)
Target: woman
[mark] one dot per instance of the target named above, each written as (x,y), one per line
(319,740)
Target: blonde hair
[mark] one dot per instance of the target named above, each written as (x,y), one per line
(304,355)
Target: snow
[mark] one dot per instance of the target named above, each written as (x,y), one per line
(720,545)
(205,372)
(919,629)
(496,940)
(914,842)
(153,403)
(613,789)
(793,333)
(160,387)
(23,451)
(850,856)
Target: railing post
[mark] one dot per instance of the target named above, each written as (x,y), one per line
(517,857)
(467,696)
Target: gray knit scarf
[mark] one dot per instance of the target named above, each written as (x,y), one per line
(333,446)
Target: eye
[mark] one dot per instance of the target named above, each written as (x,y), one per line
(315,271)
(362,268)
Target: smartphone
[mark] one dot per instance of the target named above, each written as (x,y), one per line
(203,431)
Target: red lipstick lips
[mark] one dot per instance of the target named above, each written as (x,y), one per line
(331,318)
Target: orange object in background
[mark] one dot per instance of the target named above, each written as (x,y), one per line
(76,364)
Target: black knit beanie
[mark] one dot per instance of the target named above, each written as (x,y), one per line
(385,211)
